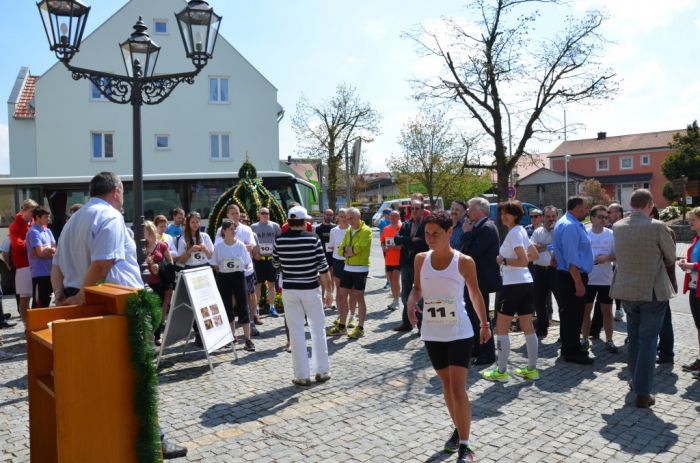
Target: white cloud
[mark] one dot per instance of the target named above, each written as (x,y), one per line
(4,150)
(376,30)
(630,18)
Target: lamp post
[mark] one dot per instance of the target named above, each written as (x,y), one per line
(64,22)
(566,179)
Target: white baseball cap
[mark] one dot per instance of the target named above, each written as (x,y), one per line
(298,212)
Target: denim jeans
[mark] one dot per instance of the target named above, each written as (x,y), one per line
(407,276)
(665,346)
(644,320)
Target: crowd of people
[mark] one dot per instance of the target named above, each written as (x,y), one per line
(441,268)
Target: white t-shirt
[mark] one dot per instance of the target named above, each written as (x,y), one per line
(196,259)
(516,237)
(542,236)
(602,243)
(233,258)
(334,241)
(245,235)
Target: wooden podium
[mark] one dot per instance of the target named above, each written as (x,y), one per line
(81,382)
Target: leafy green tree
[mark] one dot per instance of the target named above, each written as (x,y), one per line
(685,156)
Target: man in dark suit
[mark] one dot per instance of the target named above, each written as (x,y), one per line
(411,238)
(481,242)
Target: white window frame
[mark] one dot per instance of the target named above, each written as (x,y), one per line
(167,26)
(218,90)
(631,159)
(155,141)
(597,164)
(219,157)
(104,157)
(100,97)
(644,157)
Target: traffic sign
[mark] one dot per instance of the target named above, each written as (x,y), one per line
(512,192)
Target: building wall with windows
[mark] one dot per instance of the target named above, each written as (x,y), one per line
(229,113)
(621,163)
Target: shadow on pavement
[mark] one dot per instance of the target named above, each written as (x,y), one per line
(440,456)
(240,412)
(638,431)
(566,376)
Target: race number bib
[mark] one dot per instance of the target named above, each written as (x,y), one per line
(693,280)
(266,249)
(389,242)
(233,265)
(440,311)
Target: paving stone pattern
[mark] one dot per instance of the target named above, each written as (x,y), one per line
(384,402)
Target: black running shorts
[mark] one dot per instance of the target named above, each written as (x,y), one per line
(444,354)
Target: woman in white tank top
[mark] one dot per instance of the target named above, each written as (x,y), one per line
(440,276)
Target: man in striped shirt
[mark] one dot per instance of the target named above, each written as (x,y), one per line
(300,256)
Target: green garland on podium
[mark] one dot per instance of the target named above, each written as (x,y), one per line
(249,195)
(143,311)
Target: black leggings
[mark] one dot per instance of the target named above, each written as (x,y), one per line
(233,286)
(694,307)
(41,292)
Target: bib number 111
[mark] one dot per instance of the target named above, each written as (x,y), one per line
(440,311)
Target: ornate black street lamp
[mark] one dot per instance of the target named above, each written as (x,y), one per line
(64,23)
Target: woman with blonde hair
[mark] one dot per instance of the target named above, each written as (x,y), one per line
(157,251)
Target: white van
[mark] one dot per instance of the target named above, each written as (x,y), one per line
(401,205)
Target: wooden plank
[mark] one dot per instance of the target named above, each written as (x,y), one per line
(42,409)
(43,337)
(46,383)
(38,319)
(95,411)
(112,297)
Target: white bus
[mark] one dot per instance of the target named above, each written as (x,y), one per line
(162,193)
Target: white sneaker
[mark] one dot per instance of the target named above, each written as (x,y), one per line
(619,315)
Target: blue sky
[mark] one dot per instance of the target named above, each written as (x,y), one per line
(310,46)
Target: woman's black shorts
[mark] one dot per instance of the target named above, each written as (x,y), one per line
(444,354)
(516,299)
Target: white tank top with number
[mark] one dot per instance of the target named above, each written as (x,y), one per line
(444,315)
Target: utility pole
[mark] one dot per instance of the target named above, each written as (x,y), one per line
(347,176)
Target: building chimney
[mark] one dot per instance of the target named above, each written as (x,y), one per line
(602,135)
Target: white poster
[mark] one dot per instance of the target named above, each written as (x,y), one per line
(208,307)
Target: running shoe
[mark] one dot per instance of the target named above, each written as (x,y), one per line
(249,346)
(357,333)
(273,312)
(254,331)
(322,377)
(495,375)
(611,347)
(452,444)
(619,314)
(585,345)
(336,330)
(465,454)
(527,373)
(303,382)
(387,285)
(351,322)
(695,366)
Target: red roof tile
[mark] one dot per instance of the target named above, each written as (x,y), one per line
(24,108)
(632,142)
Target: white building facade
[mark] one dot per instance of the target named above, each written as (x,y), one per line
(62,128)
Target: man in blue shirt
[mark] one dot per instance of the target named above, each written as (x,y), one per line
(574,257)
(386,220)
(175,228)
(95,245)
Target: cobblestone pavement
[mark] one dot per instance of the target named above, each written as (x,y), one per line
(384,402)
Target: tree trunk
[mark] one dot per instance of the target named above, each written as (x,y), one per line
(332,182)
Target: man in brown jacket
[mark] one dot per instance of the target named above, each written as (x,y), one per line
(644,248)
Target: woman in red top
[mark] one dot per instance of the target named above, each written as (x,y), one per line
(18,248)
(392,255)
(691,267)
(156,252)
